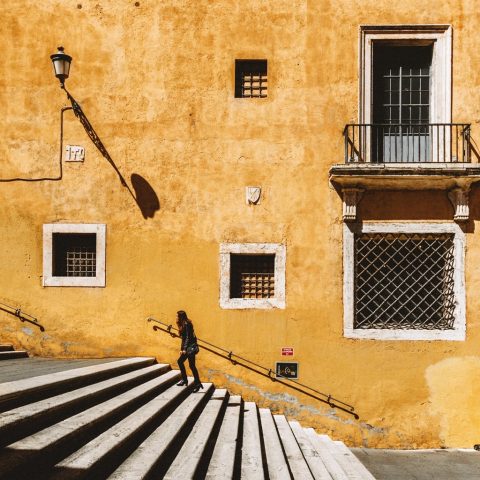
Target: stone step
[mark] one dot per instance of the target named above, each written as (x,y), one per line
(313,459)
(102,453)
(23,421)
(252,462)
(21,392)
(126,420)
(354,461)
(12,354)
(295,458)
(49,446)
(197,446)
(222,462)
(276,463)
(339,455)
(162,444)
(335,470)
(6,347)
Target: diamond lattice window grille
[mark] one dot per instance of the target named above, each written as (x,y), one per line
(404,281)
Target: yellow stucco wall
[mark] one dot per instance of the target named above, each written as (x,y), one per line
(156,81)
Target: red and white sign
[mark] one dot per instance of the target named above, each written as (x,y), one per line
(287,351)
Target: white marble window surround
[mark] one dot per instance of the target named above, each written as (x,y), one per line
(458,333)
(277,249)
(49,280)
(440,36)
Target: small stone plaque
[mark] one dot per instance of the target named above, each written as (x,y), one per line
(74,153)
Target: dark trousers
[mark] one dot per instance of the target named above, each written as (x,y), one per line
(191,364)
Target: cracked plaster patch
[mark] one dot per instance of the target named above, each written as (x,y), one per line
(297,408)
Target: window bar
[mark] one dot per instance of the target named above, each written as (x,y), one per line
(395,147)
(365,142)
(419,137)
(467,141)
(456,143)
(360,143)
(353,142)
(389,143)
(445,142)
(431,136)
(400,132)
(345,139)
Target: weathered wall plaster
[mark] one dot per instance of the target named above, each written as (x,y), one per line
(157,83)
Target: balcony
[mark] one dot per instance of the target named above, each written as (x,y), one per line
(407,157)
(401,156)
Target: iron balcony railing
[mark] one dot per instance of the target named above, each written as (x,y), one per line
(259,369)
(407,143)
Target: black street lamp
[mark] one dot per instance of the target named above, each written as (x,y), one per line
(61,65)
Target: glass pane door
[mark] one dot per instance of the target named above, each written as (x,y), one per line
(401,103)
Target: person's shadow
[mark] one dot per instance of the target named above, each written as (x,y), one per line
(145,196)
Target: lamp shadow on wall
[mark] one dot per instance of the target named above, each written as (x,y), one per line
(144,196)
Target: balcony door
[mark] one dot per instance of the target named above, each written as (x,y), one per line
(401,103)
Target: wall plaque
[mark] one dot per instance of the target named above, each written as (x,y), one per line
(286,369)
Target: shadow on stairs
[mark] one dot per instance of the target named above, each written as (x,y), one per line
(127,419)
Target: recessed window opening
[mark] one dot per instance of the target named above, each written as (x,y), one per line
(252,276)
(401,102)
(74,254)
(404,281)
(251,78)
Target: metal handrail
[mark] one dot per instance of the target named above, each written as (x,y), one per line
(260,369)
(24,317)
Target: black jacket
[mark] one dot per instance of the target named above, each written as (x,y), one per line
(188,336)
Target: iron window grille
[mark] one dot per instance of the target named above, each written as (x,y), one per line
(74,255)
(252,276)
(251,78)
(404,281)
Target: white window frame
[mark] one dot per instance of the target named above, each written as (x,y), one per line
(440,36)
(49,280)
(279,250)
(458,333)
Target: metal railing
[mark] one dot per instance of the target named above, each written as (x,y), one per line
(407,143)
(24,317)
(259,369)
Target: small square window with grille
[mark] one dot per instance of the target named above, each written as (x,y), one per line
(74,254)
(252,276)
(250,78)
(404,281)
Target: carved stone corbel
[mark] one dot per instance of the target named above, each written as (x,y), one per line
(351,198)
(459,199)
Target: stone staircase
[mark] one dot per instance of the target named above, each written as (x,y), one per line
(127,419)
(7,352)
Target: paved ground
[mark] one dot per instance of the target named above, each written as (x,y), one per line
(421,464)
(11,370)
